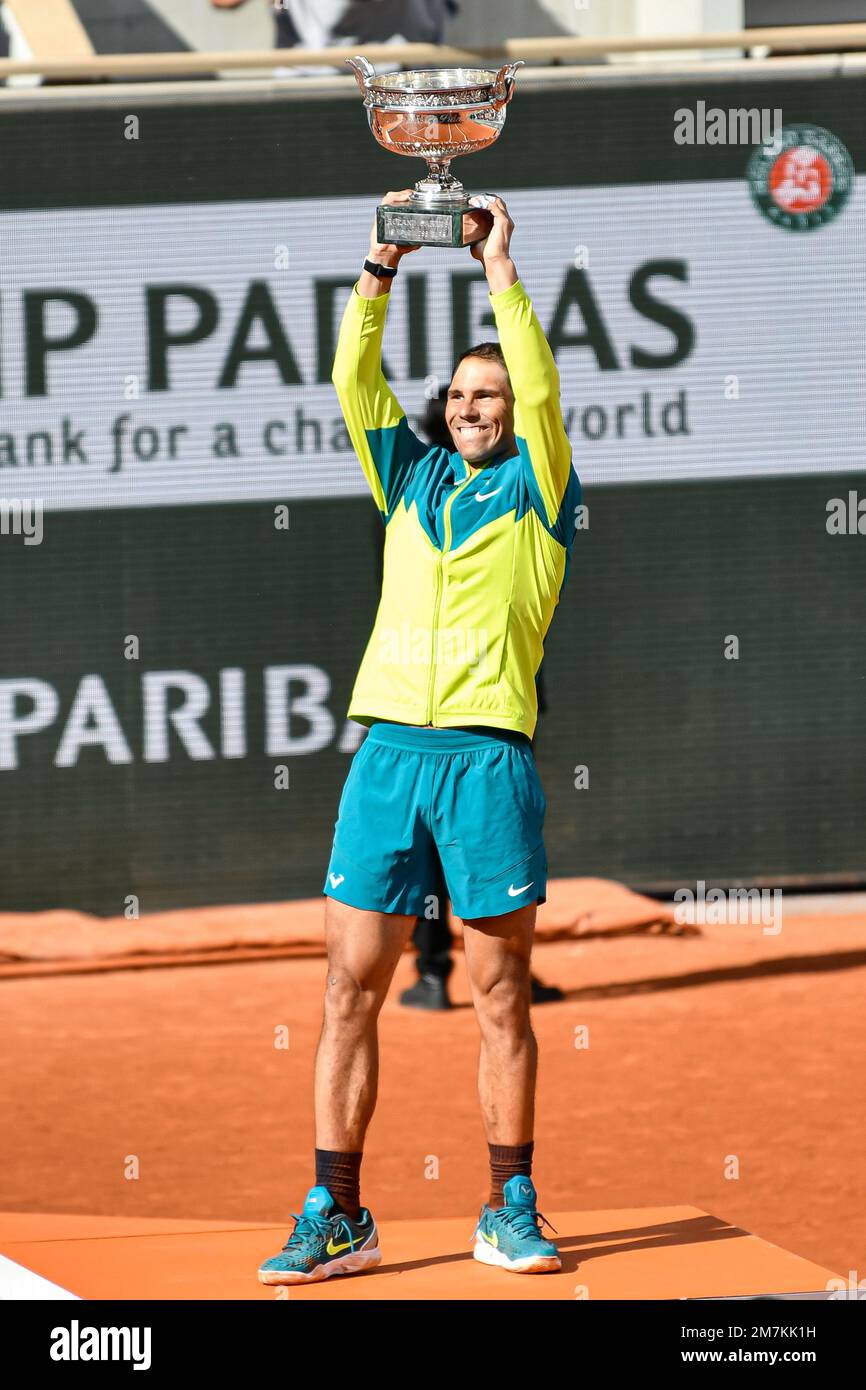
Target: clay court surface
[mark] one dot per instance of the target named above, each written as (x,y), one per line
(701,1046)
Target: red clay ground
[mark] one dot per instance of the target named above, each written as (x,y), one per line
(732,1043)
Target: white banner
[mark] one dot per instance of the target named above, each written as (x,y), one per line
(160,355)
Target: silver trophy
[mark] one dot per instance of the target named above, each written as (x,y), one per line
(434,115)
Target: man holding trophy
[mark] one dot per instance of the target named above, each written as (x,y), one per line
(477,549)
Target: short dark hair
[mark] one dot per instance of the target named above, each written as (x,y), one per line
(488,352)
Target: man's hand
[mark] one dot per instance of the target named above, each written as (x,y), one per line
(494,250)
(497,244)
(382,252)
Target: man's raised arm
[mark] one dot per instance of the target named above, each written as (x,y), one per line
(531,364)
(377,425)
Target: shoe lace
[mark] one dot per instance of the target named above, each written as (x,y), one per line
(523,1221)
(305,1228)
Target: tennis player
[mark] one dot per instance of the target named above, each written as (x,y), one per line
(477,549)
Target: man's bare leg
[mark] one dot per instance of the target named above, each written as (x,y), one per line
(498,952)
(363,951)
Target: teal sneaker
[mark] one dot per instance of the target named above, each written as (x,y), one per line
(510,1236)
(324,1242)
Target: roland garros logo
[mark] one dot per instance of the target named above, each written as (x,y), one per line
(801,180)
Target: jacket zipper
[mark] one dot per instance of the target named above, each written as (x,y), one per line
(446,516)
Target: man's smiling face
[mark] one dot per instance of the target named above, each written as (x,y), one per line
(480,410)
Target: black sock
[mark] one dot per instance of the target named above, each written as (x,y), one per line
(340,1173)
(507,1161)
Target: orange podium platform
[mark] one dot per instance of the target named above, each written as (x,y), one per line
(647,1253)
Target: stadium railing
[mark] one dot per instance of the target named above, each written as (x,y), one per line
(75,63)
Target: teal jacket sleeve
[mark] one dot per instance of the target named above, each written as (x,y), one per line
(535,382)
(387,448)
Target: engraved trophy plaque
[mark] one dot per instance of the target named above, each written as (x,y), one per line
(434,115)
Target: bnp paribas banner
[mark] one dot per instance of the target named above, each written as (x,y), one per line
(182,354)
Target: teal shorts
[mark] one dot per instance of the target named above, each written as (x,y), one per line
(424,809)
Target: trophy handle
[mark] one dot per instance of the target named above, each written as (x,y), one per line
(363,71)
(505,80)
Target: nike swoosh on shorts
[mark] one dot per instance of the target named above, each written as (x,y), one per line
(513,892)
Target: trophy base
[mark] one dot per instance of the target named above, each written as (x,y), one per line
(425,224)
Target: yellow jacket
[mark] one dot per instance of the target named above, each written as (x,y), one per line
(474,562)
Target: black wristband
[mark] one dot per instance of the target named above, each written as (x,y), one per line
(381,272)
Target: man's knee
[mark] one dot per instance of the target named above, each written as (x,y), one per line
(350,997)
(502,1002)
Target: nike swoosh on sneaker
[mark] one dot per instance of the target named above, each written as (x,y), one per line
(333,1249)
(491,1240)
(513,892)
(336,879)
(482,496)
